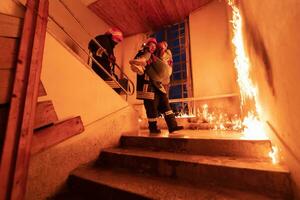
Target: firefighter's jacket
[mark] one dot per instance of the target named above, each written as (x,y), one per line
(107,59)
(145,86)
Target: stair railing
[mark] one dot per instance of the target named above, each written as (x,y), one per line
(98,44)
(131,84)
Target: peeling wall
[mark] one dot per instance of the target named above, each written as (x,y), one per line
(272,39)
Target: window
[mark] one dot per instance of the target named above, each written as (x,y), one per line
(181,81)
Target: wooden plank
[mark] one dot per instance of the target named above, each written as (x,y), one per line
(50,136)
(6,83)
(8,52)
(10,26)
(42,91)
(44,114)
(16,149)
(24,143)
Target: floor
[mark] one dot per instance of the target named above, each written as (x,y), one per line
(205,134)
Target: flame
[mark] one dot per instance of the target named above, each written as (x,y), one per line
(253,126)
(249,93)
(185,115)
(274,155)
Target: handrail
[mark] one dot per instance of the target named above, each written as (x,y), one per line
(84,29)
(91,57)
(99,45)
(193,99)
(131,92)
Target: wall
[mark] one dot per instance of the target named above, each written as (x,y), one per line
(212,64)
(272,40)
(76,90)
(91,25)
(212,61)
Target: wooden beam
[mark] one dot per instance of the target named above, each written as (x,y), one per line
(16,149)
(8,52)
(10,26)
(45,114)
(49,136)
(23,154)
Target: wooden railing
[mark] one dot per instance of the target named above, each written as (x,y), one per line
(19,131)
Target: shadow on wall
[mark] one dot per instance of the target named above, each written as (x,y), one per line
(72,45)
(255,40)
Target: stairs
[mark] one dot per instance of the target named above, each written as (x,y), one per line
(145,167)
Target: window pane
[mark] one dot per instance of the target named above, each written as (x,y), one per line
(172,35)
(176,67)
(175,50)
(173,43)
(175,92)
(159,35)
(176,58)
(175,37)
(177,75)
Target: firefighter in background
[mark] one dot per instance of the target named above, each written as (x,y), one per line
(105,54)
(150,73)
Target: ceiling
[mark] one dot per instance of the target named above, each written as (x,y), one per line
(139,16)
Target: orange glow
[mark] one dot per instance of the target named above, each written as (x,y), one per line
(253,126)
(184,115)
(274,155)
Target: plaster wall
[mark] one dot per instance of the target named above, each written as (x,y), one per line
(271,30)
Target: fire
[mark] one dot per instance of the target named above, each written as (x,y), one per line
(253,126)
(274,155)
(249,93)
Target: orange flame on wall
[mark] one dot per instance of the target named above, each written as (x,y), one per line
(249,93)
(254,128)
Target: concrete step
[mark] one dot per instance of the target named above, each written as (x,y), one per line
(202,146)
(247,174)
(99,183)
